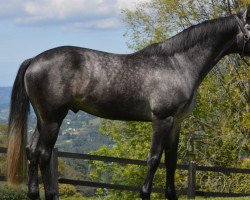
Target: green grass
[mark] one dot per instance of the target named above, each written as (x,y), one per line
(181,198)
(220,198)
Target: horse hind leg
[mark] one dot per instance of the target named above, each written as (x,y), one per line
(47,140)
(39,152)
(32,156)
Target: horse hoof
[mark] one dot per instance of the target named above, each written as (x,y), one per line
(51,198)
(171,197)
(51,195)
(56,198)
(145,196)
(34,195)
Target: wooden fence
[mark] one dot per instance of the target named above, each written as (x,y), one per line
(191,191)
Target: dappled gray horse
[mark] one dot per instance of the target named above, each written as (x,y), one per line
(157,83)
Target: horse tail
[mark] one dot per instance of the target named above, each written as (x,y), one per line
(19,110)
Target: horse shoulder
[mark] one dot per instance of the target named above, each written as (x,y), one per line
(173,94)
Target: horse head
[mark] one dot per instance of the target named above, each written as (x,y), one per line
(243,36)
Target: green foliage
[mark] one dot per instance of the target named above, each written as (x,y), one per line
(13,192)
(156,20)
(75,198)
(227,198)
(67,171)
(218,125)
(197,198)
(68,192)
(3,128)
(3,135)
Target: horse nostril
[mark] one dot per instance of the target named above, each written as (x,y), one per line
(248,27)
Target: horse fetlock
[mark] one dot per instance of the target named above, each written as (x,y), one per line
(170,194)
(145,191)
(33,193)
(28,153)
(31,154)
(144,195)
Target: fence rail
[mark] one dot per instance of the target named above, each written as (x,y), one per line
(192,168)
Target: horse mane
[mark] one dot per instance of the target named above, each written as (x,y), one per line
(193,35)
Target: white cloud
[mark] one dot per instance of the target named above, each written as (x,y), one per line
(11,8)
(130,4)
(109,23)
(77,14)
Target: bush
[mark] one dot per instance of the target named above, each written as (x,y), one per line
(68,192)
(73,198)
(13,192)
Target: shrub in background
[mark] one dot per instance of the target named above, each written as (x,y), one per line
(13,192)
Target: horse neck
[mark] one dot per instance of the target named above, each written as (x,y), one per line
(204,56)
(206,49)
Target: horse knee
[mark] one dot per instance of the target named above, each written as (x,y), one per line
(153,161)
(44,158)
(32,155)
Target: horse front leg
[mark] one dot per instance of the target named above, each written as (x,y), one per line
(161,130)
(170,163)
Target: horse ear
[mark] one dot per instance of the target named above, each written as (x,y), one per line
(246,14)
(241,12)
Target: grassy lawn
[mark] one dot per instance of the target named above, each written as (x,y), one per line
(181,198)
(219,198)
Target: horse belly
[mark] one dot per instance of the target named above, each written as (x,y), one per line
(114,110)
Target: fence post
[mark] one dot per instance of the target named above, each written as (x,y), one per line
(54,168)
(191,180)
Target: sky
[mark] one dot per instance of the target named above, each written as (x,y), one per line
(29,27)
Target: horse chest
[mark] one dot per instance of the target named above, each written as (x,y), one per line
(187,107)
(175,98)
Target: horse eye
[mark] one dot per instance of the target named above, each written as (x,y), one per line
(248,27)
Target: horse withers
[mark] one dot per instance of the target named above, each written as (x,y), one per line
(157,84)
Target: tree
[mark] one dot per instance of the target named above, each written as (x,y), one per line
(217,132)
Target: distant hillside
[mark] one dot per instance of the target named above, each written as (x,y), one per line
(5,93)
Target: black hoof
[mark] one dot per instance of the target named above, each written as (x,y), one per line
(51,195)
(171,197)
(145,196)
(56,198)
(34,194)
